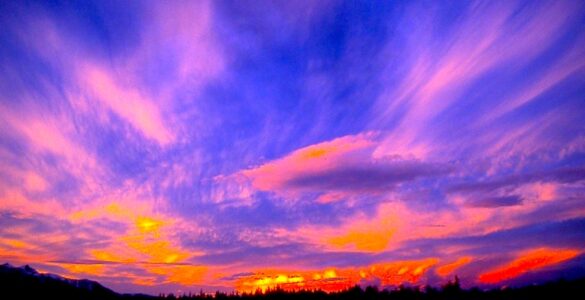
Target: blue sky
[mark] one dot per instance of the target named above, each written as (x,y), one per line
(173,146)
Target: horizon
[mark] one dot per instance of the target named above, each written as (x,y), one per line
(452,287)
(159,147)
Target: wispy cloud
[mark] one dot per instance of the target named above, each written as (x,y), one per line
(127,103)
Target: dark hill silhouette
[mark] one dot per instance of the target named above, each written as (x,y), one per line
(29,283)
(26,283)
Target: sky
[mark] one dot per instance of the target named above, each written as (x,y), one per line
(174,146)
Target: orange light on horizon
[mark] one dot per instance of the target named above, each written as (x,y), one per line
(396,273)
(332,280)
(532,260)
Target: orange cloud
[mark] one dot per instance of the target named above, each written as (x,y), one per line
(373,239)
(111,256)
(530,261)
(331,280)
(447,269)
(16,244)
(146,241)
(393,224)
(16,249)
(147,238)
(84,269)
(182,274)
(128,210)
(327,280)
(395,273)
(148,225)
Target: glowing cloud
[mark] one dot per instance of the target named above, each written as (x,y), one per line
(312,159)
(331,280)
(375,238)
(527,262)
(449,268)
(344,165)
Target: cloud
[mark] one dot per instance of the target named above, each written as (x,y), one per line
(529,261)
(128,103)
(449,268)
(344,165)
(542,180)
(560,71)
(335,279)
(366,178)
(496,201)
(487,39)
(562,234)
(391,225)
(38,232)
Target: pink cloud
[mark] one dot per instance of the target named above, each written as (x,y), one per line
(311,159)
(339,168)
(48,134)
(127,102)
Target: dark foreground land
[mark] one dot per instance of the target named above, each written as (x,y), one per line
(26,283)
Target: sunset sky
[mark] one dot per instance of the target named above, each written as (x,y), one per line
(173,146)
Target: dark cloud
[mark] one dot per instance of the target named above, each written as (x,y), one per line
(563,175)
(495,201)
(372,177)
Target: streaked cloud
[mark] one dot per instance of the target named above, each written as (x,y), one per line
(529,261)
(128,103)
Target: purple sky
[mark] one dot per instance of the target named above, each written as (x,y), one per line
(166,146)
